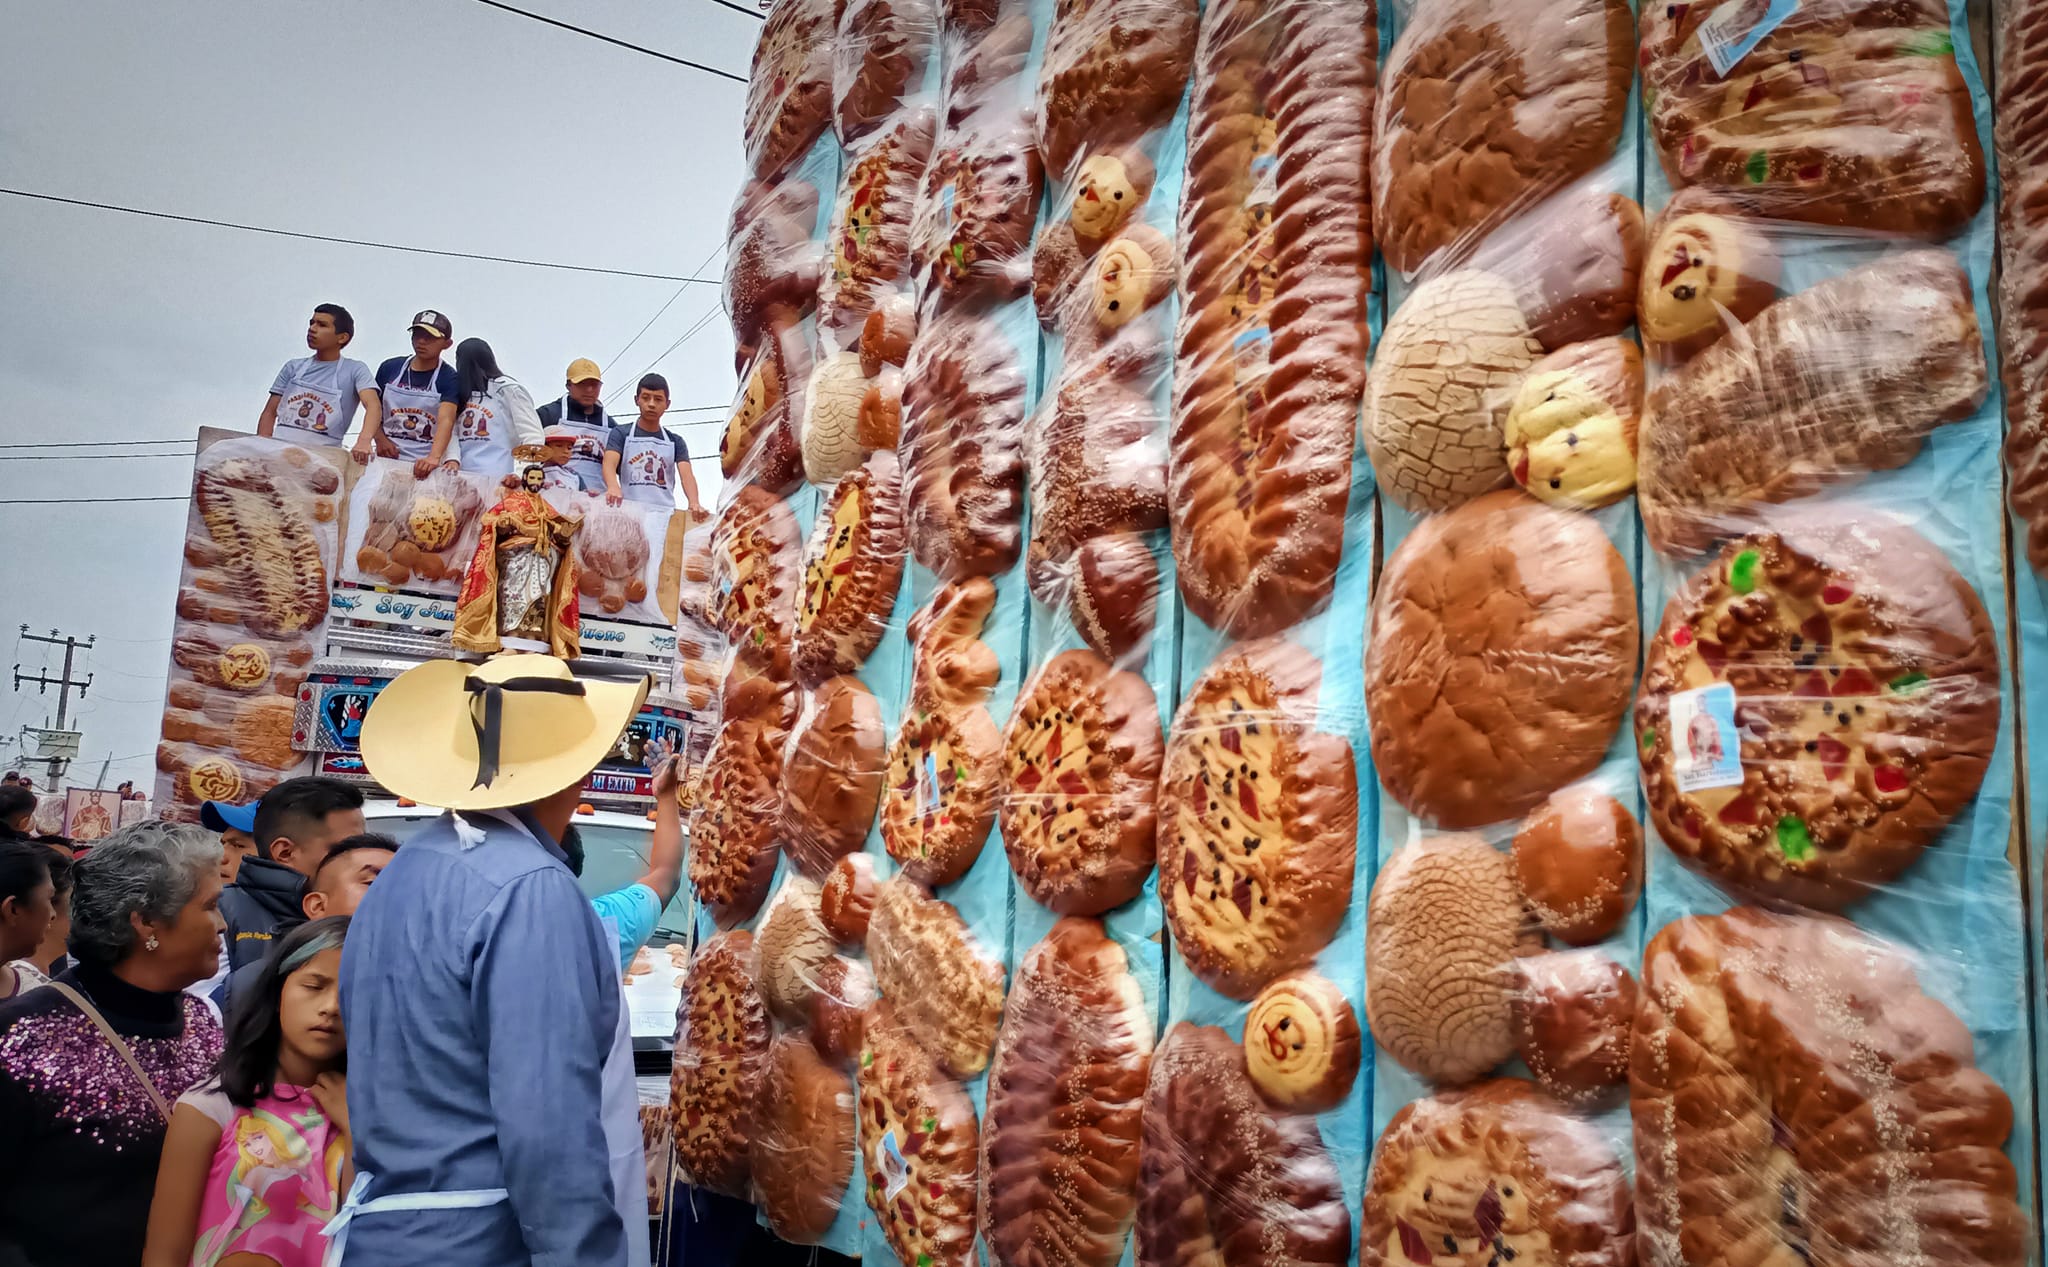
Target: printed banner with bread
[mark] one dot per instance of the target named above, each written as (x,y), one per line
(260,546)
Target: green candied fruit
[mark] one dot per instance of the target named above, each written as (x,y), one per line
(1929,44)
(1793,841)
(1905,682)
(1742,572)
(867,1058)
(924,1260)
(1649,740)
(1758,167)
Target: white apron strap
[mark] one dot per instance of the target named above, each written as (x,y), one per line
(336,1230)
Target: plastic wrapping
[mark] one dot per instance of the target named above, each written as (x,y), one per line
(413,534)
(721,1060)
(260,546)
(789,86)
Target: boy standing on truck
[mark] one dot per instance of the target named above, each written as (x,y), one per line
(644,460)
(313,399)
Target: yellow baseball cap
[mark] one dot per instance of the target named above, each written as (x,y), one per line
(583,368)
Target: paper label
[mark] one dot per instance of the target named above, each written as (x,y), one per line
(1704,739)
(895,1170)
(1731,30)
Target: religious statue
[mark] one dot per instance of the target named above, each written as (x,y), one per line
(520,591)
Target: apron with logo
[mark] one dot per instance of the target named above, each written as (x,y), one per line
(410,414)
(647,467)
(586,460)
(308,413)
(485,432)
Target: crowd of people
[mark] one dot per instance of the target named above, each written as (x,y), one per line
(275,1034)
(472,416)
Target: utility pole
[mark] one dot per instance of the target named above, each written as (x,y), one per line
(60,745)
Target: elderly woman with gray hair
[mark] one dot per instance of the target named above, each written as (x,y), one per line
(91,1063)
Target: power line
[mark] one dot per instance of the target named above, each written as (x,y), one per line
(665,307)
(87,501)
(682,338)
(739,8)
(66,444)
(608,39)
(380,246)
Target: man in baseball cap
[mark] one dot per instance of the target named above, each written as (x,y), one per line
(581,413)
(237,827)
(421,395)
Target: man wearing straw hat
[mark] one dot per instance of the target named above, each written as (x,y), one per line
(478,985)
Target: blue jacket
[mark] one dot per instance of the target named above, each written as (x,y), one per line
(479,997)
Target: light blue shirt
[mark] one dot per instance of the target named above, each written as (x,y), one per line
(480,1003)
(634,911)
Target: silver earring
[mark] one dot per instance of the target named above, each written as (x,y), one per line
(151,943)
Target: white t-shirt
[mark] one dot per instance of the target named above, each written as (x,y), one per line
(317,400)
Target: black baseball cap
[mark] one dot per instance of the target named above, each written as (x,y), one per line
(434,322)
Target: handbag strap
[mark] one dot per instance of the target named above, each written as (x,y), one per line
(120,1046)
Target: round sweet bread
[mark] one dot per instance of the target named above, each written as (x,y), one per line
(732,834)
(848,899)
(1258,819)
(1502,649)
(919,1146)
(802,1147)
(1487,106)
(871,224)
(853,566)
(976,209)
(1498,1173)
(962,448)
(1799,1097)
(1302,1046)
(1571,428)
(1270,360)
(832,775)
(943,983)
(791,947)
(1817,705)
(1573,1014)
(1113,70)
(878,56)
(789,88)
(720,1062)
(1844,114)
(839,1009)
(1706,266)
(945,768)
(758,445)
(1059,1144)
(1579,861)
(1447,367)
(755,547)
(1443,928)
(1081,760)
(1222,1178)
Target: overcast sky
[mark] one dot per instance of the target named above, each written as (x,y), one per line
(432,123)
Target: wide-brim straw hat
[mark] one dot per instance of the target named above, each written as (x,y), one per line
(428,734)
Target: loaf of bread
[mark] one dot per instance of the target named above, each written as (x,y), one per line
(945,769)
(1857,676)
(1276,238)
(832,775)
(1258,819)
(941,980)
(720,1061)
(755,550)
(871,224)
(2020,130)
(1799,1097)
(1224,1179)
(1844,113)
(732,835)
(771,264)
(1499,1173)
(789,89)
(1487,107)
(878,57)
(919,1146)
(1113,70)
(1081,759)
(1845,377)
(759,443)
(1502,649)
(962,447)
(853,566)
(976,209)
(802,1150)
(1059,1149)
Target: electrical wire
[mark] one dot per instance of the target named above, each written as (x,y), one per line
(609,39)
(682,338)
(381,246)
(82,444)
(739,8)
(86,501)
(715,251)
